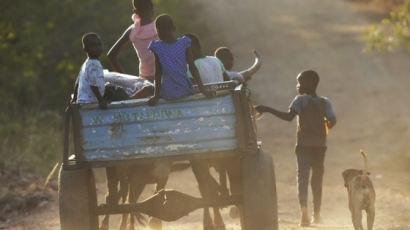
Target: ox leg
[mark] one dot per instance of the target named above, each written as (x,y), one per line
(220,168)
(137,185)
(124,191)
(207,187)
(112,196)
(233,169)
(207,221)
(218,221)
(155,223)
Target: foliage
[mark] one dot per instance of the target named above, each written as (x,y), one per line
(32,143)
(41,54)
(392,33)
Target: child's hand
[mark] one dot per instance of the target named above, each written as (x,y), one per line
(261,108)
(153,101)
(102,103)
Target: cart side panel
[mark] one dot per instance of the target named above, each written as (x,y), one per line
(188,126)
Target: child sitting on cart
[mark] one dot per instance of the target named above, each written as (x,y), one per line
(90,84)
(217,69)
(171,58)
(94,84)
(225,55)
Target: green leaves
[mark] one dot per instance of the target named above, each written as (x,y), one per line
(392,33)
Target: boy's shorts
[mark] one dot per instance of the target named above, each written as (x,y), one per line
(115,93)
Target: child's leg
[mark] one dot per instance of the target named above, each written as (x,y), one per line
(114,92)
(145,92)
(317,178)
(303,173)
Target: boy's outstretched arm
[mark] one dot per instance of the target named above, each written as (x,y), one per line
(101,101)
(287,116)
(119,45)
(248,73)
(158,74)
(195,73)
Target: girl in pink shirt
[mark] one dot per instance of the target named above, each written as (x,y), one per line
(140,34)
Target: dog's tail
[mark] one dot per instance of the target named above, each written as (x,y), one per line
(364,173)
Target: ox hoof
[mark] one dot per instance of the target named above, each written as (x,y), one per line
(123,226)
(234,212)
(209,228)
(104,225)
(155,223)
(220,227)
(130,227)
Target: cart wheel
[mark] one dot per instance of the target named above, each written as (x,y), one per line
(259,192)
(77,198)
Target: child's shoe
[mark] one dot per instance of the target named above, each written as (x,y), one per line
(304,219)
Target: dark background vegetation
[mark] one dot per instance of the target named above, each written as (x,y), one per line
(41,53)
(40,56)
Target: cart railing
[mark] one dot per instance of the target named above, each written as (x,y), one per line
(192,126)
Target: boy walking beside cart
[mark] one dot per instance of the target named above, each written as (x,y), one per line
(315,115)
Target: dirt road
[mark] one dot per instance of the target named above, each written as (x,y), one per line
(368,91)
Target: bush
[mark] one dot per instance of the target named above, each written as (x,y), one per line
(392,33)
(31,143)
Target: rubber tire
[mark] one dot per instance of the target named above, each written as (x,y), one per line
(77,199)
(260,210)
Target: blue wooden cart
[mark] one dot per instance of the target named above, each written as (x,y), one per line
(193,128)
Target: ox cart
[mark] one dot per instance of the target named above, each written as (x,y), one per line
(192,128)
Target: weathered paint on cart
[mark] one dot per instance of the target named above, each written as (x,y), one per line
(192,125)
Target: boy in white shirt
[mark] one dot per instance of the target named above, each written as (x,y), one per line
(225,55)
(90,83)
(212,69)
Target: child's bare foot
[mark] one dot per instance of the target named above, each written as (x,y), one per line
(304,219)
(316,218)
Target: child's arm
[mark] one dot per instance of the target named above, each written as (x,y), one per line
(195,73)
(158,74)
(331,122)
(248,73)
(101,101)
(225,76)
(329,114)
(287,116)
(119,45)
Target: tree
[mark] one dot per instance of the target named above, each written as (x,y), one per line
(392,33)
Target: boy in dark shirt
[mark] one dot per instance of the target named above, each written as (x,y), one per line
(315,116)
